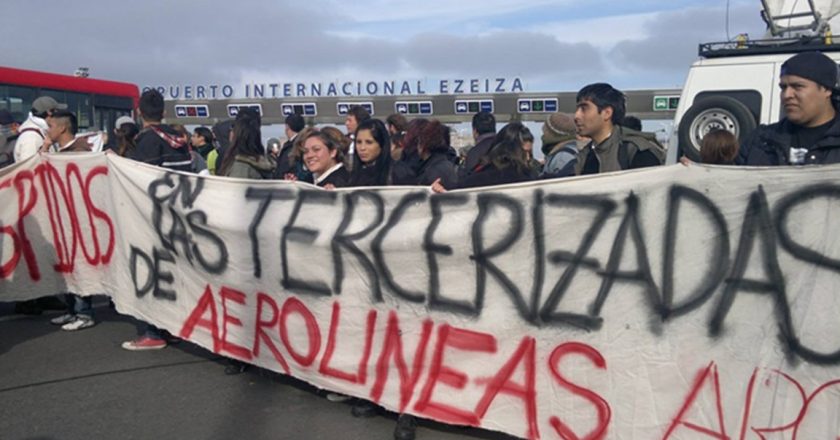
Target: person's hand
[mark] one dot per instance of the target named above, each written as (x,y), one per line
(437,187)
(329,186)
(686,161)
(290,176)
(45,147)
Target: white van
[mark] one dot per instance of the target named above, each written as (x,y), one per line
(734,86)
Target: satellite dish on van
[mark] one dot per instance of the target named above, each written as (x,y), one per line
(792,18)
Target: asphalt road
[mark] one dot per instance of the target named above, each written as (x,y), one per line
(57,385)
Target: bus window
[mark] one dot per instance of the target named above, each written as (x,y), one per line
(81,105)
(58,95)
(20,101)
(4,98)
(106,110)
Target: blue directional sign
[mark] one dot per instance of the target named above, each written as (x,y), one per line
(537,105)
(233,109)
(303,109)
(191,111)
(467,106)
(414,107)
(344,107)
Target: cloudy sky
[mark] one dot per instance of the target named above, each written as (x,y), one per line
(556,45)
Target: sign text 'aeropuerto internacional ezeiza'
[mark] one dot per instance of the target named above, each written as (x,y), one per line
(339,88)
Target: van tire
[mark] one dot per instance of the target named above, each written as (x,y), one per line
(714,112)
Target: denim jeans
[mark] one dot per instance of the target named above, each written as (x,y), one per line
(151,331)
(79,305)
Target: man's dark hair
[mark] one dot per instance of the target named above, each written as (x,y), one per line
(632,122)
(67,117)
(151,106)
(295,122)
(604,95)
(484,122)
(360,113)
(205,133)
(397,121)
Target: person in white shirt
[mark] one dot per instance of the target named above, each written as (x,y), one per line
(33,131)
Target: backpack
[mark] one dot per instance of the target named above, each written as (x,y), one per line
(561,161)
(633,141)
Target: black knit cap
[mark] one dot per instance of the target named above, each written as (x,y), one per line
(814,66)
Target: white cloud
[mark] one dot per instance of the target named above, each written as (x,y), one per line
(546,43)
(379,11)
(603,32)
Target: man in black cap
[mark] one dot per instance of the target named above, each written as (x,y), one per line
(810,131)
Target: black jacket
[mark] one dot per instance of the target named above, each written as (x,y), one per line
(406,170)
(770,145)
(338,178)
(159,145)
(490,175)
(438,166)
(284,163)
(476,153)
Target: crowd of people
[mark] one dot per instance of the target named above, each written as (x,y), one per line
(597,138)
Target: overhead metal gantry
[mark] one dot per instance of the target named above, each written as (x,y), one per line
(532,106)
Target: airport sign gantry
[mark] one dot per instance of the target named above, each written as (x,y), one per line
(448,108)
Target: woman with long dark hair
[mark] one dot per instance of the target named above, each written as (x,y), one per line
(506,162)
(124,135)
(372,158)
(246,157)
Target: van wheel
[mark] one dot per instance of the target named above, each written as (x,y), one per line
(713,113)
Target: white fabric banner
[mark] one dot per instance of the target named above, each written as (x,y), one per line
(676,302)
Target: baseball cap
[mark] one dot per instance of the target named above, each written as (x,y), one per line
(45,104)
(124,120)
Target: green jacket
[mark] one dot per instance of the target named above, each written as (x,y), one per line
(619,150)
(248,167)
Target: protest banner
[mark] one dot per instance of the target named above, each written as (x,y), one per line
(675,302)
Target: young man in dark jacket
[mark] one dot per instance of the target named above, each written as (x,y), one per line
(600,110)
(61,133)
(159,144)
(294,125)
(810,131)
(484,131)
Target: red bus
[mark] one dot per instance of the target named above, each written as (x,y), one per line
(97,103)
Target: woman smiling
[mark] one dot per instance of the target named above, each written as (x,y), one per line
(323,157)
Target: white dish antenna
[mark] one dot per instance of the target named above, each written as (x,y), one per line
(790,18)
